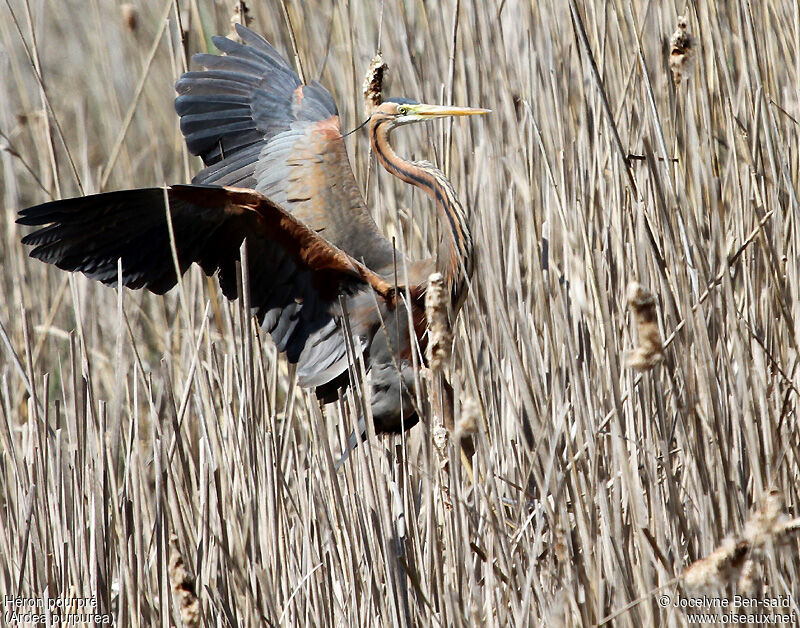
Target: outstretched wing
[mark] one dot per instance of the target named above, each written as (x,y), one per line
(295,276)
(257,126)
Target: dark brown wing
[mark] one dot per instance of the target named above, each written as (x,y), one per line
(257,126)
(296,277)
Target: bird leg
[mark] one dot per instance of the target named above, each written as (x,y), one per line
(359,434)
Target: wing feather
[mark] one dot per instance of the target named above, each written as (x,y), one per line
(296,276)
(255,125)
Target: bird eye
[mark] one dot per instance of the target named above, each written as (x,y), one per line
(402,110)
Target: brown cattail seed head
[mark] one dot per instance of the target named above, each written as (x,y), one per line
(440,336)
(748,579)
(239,15)
(130,16)
(769,523)
(373,83)
(681,51)
(183,586)
(719,567)
(650,348)
(469,420)
(734,559)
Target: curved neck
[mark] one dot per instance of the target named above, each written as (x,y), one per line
(455,252)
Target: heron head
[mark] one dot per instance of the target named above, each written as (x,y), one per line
(405,111)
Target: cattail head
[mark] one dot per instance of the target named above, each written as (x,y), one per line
(734,559)
(719,567)
(373,83)
(440,335)
(239,15)
(469,420)
(762,523)
(681,51)
(748,578)
(130,16)
(650,348)
(183,586)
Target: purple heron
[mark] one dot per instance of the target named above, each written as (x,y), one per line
(278,177)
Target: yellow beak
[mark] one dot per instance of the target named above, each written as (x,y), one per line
(439,111)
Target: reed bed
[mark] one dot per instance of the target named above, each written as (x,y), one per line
(157,455)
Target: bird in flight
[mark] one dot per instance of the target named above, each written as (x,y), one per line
(320,274)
